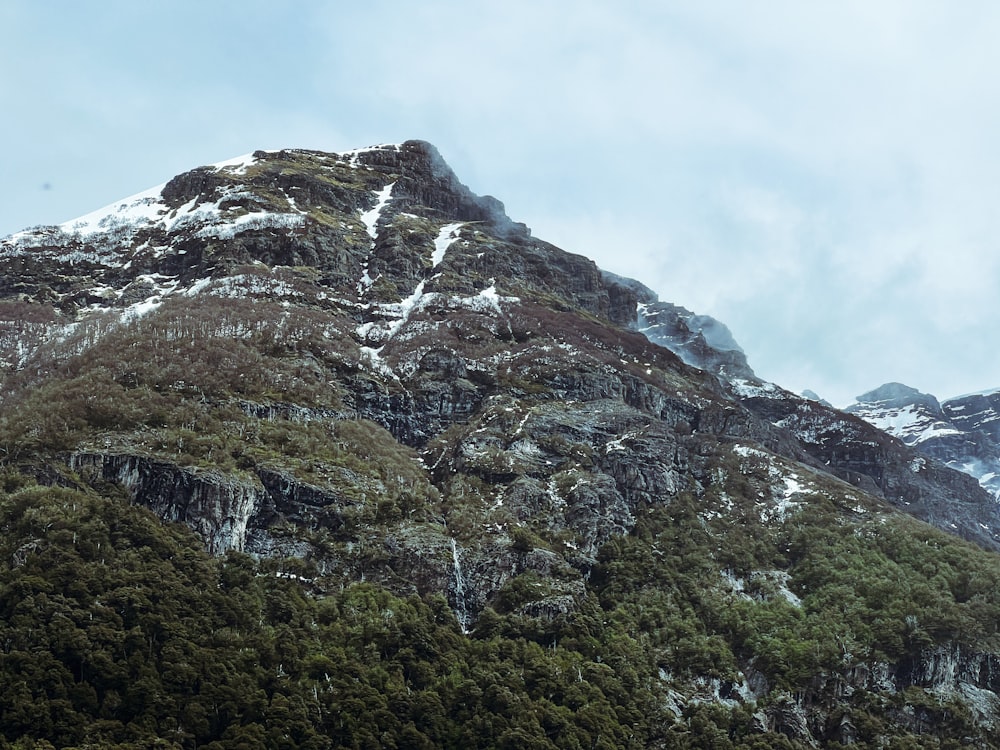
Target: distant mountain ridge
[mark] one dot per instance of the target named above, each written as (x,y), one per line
(963,432)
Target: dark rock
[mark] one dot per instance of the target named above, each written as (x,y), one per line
(700,340)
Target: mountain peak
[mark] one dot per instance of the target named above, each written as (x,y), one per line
(898,395)
(340,214)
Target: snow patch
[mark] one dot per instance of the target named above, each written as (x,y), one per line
(197,287)
(987,392)
(487,301)
(748,389)
(618,444)
(792,485)
(746,452)
(911,424)
(124,219)
(144,207)
(236,165)
(780,507)
(406,308)
(163,287)
(246,222)
(371,217)
(448,234)
(351,157)
(372,357)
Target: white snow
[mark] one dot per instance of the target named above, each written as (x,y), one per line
(447,235)
(746,389)
(987,392)
(197,287)
(192,212)
(406,308)
(293,205)
(487,301)
(398,314)
(366,281)
(618,444)
(613,446)
(746,451)
(163,286)
(937,431)
(351,157)
(238,286)
(145,207)
(779,508)
(792,485)
(256,220)
(909,423)
(374,359)
(371,217)
(896,421)
(236,165)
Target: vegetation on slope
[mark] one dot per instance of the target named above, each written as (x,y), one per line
(117,630)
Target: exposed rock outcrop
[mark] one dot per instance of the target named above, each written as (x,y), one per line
(700,340)
(218,507)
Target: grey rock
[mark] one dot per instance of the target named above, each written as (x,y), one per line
(700,340)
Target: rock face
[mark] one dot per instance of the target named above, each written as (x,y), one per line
(700,340)
(217,507)
(352,360)
(962,432)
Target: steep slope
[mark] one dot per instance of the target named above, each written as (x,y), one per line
(872,459)
(857,450)
(455,498)
(700,340)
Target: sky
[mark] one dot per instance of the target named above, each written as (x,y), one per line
(823,177)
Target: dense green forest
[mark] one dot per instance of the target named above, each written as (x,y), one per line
(116,630)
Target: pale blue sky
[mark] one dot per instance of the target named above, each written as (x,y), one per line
(820,176)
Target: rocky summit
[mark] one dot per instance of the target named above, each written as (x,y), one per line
(323,450)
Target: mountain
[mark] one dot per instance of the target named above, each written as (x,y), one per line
(318,450)
(963,432)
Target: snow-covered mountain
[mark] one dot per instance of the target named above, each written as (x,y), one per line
(963,432)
